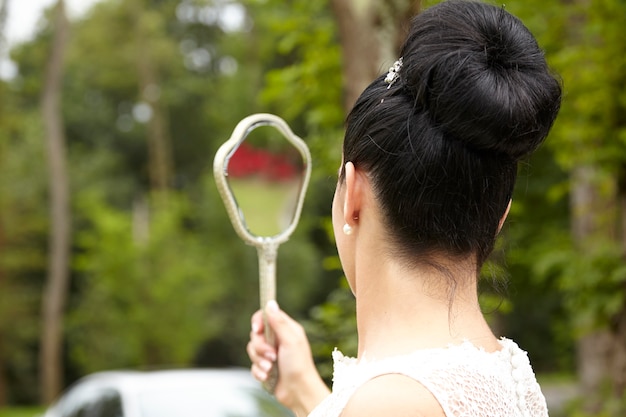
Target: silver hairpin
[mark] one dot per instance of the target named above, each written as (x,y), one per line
(393,73)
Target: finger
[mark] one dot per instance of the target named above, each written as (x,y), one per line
(252,352)
(257,349)
(280,322)
(257,323)
(258,373)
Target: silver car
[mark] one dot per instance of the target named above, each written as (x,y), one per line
(172,393)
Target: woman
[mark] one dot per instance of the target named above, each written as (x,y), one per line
(429,163)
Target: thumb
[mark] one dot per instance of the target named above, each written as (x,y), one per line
(279,321)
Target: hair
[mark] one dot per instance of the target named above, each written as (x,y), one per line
(441,144)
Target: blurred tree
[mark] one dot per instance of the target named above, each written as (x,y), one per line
(23,228)
(324,48)
(371,34)
(57,282)
(146,299)
(186,54)
(584,42)
(3,382)
(150,109)
(4,10)
(540,207)
(132,257)
(596,110)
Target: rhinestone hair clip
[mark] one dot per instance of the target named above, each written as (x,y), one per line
(393,73)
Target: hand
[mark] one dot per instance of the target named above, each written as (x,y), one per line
(299,386)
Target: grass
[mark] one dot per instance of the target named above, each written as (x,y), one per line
(21,411)
(556,378)
(560,390)
(266,205)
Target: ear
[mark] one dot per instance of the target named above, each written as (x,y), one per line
(506,213)
(353,194)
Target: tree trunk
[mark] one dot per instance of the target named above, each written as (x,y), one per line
(601,355)
(4,10)
(56,287)
(371,33)
(602,367)
(159,143)
(592,349)
(618,326)
(3,376)
(3,379)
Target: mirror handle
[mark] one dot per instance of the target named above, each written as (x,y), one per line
(267,253)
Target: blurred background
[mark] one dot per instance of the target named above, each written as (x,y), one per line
(116,250)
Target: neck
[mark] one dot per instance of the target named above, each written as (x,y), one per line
(400,309)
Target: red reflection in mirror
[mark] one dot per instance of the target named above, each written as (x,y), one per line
(248,161)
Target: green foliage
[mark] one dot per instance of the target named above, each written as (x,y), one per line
(159,280)
(333,325)
(592,128)
(492,299)
(600,273)
(538,320)
(21,411)
(155,288)
(23,225)
(584,43)
(165,280)
(611,406)
(155,284)
(305,87)
(583,280)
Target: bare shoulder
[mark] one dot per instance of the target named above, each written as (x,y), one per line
(392,395)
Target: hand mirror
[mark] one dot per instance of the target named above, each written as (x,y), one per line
(262,172)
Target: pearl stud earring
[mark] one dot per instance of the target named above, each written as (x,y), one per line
(347,229)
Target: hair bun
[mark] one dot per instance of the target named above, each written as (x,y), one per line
(480,75)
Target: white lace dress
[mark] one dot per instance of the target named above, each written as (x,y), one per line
(465,380)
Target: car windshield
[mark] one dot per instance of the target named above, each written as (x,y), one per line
(239,402)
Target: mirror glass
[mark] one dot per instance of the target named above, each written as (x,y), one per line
(265,173)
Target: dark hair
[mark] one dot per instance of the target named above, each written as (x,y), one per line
(441,144)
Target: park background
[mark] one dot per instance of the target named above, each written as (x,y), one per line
(115,248)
